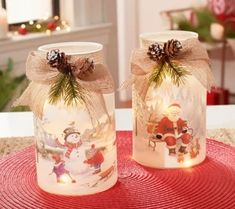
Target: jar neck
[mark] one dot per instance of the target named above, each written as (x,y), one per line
(97,57)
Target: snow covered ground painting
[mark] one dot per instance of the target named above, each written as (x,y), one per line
(75,156)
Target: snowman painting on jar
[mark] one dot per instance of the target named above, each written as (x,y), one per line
(72,141)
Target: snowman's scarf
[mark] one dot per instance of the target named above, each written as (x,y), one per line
(42,76)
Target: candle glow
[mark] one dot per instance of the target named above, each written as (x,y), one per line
(58,28)
(56,17)
(65,179)
(79,150)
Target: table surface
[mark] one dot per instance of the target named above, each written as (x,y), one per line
(19,124)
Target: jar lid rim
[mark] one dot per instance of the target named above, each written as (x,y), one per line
(164,36)
(73,48)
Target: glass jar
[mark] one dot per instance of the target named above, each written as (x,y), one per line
(75,154)
(170,122)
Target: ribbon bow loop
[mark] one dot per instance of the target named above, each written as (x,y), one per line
(61,78)
(172,58)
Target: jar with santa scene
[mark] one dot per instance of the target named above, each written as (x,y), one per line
(170,78)
(72,97)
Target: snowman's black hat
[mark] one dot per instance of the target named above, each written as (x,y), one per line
(69,131)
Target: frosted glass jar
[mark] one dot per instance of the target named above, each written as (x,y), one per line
(74,154)
(170,125)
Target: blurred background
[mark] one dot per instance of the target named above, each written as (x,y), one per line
(25,25)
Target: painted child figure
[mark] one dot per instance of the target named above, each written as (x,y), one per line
(62,174)
(171,128)
(72,141)
(94,158)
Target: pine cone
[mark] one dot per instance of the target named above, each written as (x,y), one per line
(82,67)
(155,52)
(172,47)
(53,57)
(59,60)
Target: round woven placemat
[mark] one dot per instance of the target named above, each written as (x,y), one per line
(209,185)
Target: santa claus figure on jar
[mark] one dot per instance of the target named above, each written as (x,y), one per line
(172,128)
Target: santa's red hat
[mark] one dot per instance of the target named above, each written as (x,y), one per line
(174,105)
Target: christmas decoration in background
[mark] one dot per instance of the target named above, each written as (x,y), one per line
(202,20)
(8,84)
(212,23)
(44,26)
(224,11)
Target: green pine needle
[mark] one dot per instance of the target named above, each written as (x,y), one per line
(57,89)
(66,88)
(158,75)
(74,93)
(175,72)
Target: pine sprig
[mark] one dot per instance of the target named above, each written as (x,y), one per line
(158,75)
(176,73)
(162,55)
(73,91)
(66,88)
(57,89)
(167,69)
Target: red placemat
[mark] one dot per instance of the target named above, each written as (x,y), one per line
(209,185)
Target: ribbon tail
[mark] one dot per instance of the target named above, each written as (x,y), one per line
(96,107)
(34,96)
(91,113)
(144,90)
(201,70)
(100,97)
(141,85)
(127,83)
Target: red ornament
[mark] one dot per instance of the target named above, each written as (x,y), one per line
(51,26)
(224,10)
(22,30)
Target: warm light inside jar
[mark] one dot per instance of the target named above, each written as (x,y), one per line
(65,178)
(170,120)
(76,142)
(56,117)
